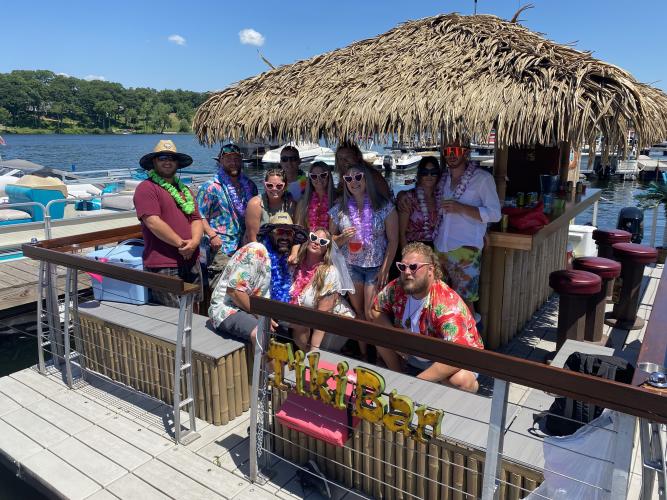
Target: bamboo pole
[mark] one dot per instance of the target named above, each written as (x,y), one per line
(208,392)
(222,386)
(245,389)
(215,394)
(446,474)
(347,460)
(238,399)
(515,491)
(378,455)
(199,387)
(433,471)
(496,297)
(473,477)
(410,467)
(421,469)
(366,459)
(321,454)
(390,457)
(156,373)
(400,466)
(458,475)
(485,289)
(508,297)
(231,399)
(330,453)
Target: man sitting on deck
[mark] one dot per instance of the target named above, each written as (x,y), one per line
(258,270)
(170,221)
(423,304)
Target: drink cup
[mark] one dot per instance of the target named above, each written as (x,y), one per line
(354,245)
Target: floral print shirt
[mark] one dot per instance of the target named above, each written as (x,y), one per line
(372,252)
(331,285)
(249,271)
(215,205)
(444,316)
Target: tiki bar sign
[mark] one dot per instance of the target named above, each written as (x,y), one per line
(367,397)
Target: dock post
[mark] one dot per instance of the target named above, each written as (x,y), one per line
(594,222)
(494,439)
(257,415)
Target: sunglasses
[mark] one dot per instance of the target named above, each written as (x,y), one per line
(355,177)
(434,172)
(316,239)
(283,232)
(166,158)
(230,148)
(455,151)
(278,186)
(322,176)
(403,267)
(289,158)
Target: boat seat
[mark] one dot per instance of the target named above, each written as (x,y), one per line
(11,215)
(135,345)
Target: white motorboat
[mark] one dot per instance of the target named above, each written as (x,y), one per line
(307,151)
(398,160)
(330,158)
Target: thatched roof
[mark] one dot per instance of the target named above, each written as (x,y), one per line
(450,73)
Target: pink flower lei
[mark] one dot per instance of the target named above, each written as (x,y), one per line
(362,222)
(458,192)
(302,278)
(318,208)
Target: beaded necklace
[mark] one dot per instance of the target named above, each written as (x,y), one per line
(318,215)
(238,204)
(302,278)
(362,221)
(426,214)
(458,192)
(280,276)
(183,199)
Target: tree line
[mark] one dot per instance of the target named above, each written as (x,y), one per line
(44,100)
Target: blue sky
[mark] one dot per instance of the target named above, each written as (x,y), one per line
(128,41)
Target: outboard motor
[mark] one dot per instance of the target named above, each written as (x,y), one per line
(631,219)
(387,162)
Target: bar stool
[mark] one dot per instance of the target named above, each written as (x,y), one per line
(605,238)
(574,288)
(607,270)
(633,259)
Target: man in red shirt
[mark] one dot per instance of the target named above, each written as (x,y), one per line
(421,303)
(170,221)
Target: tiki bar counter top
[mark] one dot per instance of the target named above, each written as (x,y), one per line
(515,270)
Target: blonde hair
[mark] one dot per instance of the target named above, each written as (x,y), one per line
(427,252)
(323,269)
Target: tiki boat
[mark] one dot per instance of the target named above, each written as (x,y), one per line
(344,426)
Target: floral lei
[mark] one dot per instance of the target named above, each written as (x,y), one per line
(362,222)
(239,205)
(280,276)
(302,278)
(318,215)
(428,228)
(458,192)
(187,206)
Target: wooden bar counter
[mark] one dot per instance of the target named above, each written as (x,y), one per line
(514,281)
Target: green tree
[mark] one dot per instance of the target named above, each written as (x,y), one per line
(184,126)
(5,116)
(160,118)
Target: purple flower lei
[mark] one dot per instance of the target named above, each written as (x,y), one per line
(281,281)
(238,204)
(363,221)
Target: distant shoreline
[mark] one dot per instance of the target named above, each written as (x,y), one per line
(42,131)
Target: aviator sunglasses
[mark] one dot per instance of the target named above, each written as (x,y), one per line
(316,239)
(356,177)
(321,176)
(166,158)
(455,151)
(433,172)
(279,185)
(403,267)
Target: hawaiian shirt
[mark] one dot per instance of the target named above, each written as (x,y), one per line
(215,205)
(249,271)
(444,316)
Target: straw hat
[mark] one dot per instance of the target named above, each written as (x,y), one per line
(282,220)
(165,146)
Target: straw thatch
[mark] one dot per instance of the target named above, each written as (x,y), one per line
(459,75)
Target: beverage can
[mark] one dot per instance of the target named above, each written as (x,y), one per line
(504,223)
(580,187)
(520,199)
(570,186)
(532,198)
(548,200)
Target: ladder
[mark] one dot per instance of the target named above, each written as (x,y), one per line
(47,305)
(183,369)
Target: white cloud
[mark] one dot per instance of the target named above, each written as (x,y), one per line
(249,36)
(177,39)
(95,77)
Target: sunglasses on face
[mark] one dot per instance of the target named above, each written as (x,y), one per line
(455,151)
(278,186)
(289,158)
(403,267)
(166,158)
(355,177)
(321,176)
(429,172)
(283,232)
(316,239)
(230,148)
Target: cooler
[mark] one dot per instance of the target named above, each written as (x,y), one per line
(114,290)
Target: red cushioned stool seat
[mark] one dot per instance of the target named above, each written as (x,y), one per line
(604,268)
(575,282)
(640,254)
(611,236)
(633,259)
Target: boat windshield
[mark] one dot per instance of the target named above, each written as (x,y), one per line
(10,171)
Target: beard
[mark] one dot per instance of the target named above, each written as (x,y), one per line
(283,245)
(415,286)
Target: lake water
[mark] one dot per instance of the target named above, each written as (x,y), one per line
(92,152)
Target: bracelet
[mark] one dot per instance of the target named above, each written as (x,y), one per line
(216,235)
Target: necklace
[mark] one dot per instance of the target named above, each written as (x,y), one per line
(183,199)
(302,278)
(362,221)
(426,213)
(318,215)
(408,305)
(280,277)
(238,204)
(458,192)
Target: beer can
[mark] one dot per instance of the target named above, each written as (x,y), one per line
(520,199)
(570,186)
(548,200)
(504,223)
(532,198)
(580,187)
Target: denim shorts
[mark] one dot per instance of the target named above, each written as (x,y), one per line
(365,275)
